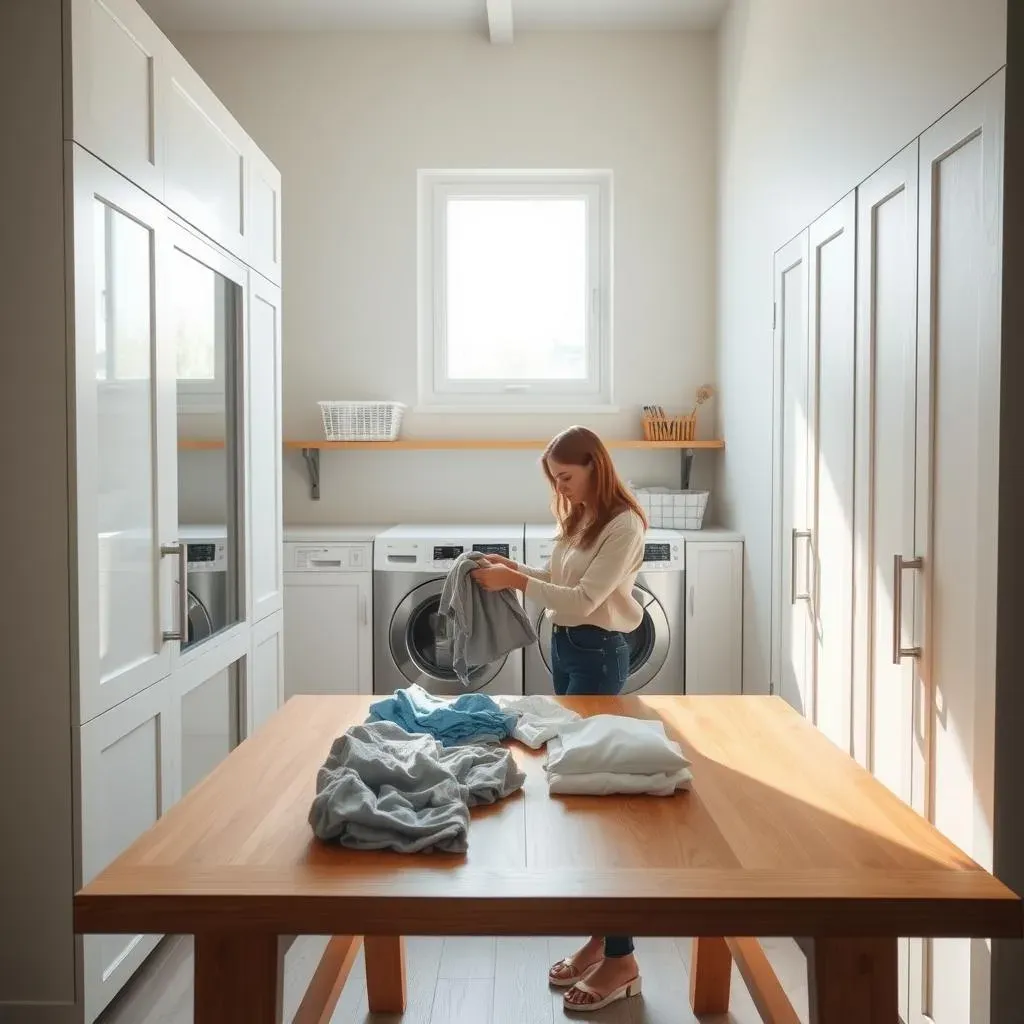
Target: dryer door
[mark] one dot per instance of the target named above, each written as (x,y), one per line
(648,644)
(422,644)
(200,622)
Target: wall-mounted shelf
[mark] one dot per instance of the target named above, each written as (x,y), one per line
(198,445)
(311,450)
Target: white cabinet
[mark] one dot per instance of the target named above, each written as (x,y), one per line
(132,385)
(831,293)
(117,85)
(886,627)
(959,307)
(714,616)
(205,157)
(139,106)
(263,197)
(129,778)
(265,673)
(125,433)
(792,662)
(265,448)
(327,604)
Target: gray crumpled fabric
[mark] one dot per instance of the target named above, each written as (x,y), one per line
(382,788)
(486,625)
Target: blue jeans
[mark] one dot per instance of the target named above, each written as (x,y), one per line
(589,661)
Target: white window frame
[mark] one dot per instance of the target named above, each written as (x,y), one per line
(437,393)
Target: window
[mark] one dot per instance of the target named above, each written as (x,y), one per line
(515,276)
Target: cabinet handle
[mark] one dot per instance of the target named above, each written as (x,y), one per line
(181,550)
(366,610)
(899,652)
(691,600)
(797,536)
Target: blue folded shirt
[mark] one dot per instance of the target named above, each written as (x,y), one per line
(470,718)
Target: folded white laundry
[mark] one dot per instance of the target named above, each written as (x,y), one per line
(539,718)
(607,783)
(614,744)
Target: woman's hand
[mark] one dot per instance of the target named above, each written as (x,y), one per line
(499,560)
(498,577)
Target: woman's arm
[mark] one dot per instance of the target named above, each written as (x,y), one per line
(619,555)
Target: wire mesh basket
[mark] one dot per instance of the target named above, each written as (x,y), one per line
(673,510)
(361,421)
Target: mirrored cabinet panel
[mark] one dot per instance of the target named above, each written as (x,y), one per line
(205,324)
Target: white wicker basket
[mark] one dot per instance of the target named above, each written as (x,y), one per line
(673,510)
(361,421)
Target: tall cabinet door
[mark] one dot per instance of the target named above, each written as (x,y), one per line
(884,736)
(959,327)
(266,554)
(793,510)
(831,294)
(205,292)
(124,438)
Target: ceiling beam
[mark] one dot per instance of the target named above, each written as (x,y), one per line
(499,20)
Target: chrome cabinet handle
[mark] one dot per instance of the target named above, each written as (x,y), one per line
(181,550)
(899,652)
(797,535)
(366,610)
(692,588)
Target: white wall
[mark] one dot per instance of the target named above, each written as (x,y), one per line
(814,96)
(349,118)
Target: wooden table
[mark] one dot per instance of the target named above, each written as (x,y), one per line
(781,835)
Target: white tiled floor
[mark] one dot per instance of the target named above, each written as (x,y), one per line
(467,981)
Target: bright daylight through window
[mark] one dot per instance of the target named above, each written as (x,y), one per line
(515,290)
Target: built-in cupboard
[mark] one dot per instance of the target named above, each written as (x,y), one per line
(163,386)
(887,386)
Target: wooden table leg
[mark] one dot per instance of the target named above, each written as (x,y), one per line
(710,974)
(853,981)
(385,973)
(237,978)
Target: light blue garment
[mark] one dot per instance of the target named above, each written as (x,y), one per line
(470,718)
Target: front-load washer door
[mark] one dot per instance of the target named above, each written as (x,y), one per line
(200,622)
(422,644)
(648,644)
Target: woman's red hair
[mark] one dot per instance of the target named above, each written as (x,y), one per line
(582,525)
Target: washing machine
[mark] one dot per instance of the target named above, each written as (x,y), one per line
(656,646)
(211,605)
(412,642)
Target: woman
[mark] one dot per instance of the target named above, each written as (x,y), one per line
(588,593)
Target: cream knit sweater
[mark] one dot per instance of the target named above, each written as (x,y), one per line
(593,586)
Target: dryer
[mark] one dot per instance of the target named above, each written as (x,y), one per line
(211,606)
(412,642)
(656,646)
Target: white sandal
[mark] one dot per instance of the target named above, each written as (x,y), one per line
(575,977)
(631,988)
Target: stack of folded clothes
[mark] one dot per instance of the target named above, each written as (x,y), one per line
(611,754)
(384,789)
(470,718)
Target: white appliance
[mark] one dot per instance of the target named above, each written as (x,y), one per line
(656,646)
(412,642)
(328,586)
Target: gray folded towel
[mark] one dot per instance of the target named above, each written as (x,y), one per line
(487,625)
(382,788)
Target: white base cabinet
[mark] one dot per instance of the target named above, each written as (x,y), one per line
(130,775)
(266,671)
(714,615)
(328,601)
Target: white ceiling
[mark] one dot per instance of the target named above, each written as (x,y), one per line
(324,15)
